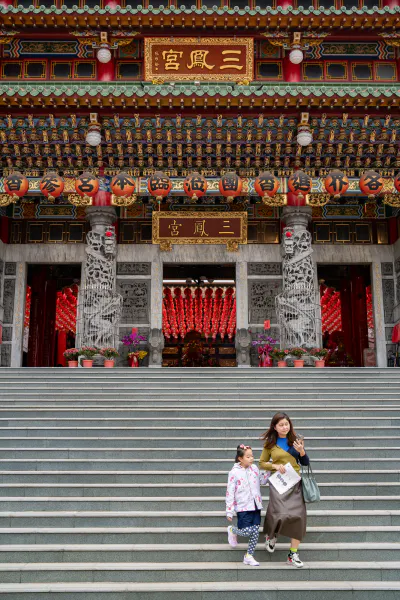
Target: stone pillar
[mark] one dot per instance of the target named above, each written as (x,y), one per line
(379,317)
(298,306)
(156,338)
(243,337)
(19,315)
(99,304)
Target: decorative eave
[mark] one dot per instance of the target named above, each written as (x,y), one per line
(186,95)
(371,20)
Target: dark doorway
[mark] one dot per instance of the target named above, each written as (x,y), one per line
(346,312)
(50,313)
(199,315)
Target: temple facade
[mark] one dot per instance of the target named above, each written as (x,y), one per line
(212,173)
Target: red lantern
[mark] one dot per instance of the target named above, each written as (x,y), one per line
(16,185)
(52,186)
(230,186)
(397,182)
(300,183)
(336,183)
(266,184)
(123,185)
(195,186)
(371,183)
(87,185)
(159,185)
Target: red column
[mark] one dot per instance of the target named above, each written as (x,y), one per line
(61,347)
(291,72)
(106,71)
(4,230)
(284,3)
(111,3)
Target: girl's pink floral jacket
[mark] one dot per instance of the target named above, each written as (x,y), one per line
(243,491)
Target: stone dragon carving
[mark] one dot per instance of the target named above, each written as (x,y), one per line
(295,306)
(100,306)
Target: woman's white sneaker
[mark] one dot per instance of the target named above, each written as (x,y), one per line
(250,560)
(293,559)
(232,538)
(270,544)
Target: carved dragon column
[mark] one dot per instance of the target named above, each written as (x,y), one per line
(298,306)
(99,304)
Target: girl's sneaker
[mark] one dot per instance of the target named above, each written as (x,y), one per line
(270,544)
(250,560)
(232,538)
(293,559)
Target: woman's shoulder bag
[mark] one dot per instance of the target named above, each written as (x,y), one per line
(310,487)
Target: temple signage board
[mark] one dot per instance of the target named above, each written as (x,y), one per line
(199,228)
(194,59)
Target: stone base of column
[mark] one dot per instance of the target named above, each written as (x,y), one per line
(243,346)
(156,345)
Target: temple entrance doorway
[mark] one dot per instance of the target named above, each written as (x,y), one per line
(199,315)
(347,315)
(50,314)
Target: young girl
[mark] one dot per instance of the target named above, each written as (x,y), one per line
(286,514)
(243,496)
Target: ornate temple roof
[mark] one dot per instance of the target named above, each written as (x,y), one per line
(206,95)
(184,17)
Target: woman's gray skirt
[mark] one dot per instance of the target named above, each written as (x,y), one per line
(286,514)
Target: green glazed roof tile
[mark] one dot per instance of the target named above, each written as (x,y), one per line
(187,89)
(129,10)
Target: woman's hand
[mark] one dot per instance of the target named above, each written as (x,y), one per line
(279,468)
(299,447)
(229,519)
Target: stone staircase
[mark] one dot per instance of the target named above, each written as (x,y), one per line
(112,483)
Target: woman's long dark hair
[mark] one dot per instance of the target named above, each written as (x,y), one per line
(271,435)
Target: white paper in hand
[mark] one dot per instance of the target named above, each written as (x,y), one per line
(283,482)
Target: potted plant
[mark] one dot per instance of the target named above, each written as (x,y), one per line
(109,355)
(318,354)
(265,344)
(87,352)
(133,340)
(71,356)
(298,353)
(279,356)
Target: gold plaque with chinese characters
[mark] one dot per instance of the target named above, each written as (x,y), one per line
(199,228)
(191,59)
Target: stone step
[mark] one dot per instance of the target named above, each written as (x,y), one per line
(169,518)
(184,535)
(196,572)
(121,452)
(118,464)
(210,404)
(234,590)
(336,502)
(32,479)
(229,412)
(178,447)
(205,432)
(193,423)
(133,490)
(156,553)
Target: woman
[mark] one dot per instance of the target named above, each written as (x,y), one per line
(286,514)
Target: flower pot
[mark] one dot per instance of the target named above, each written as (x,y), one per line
(282,364)
(133,362)
(87,363)
(72,363)
(319,364)
(109,363)
(298,363)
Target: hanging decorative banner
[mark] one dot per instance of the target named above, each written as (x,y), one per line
(189,59)
(199,228)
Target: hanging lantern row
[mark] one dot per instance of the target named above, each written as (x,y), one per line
(159,185)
